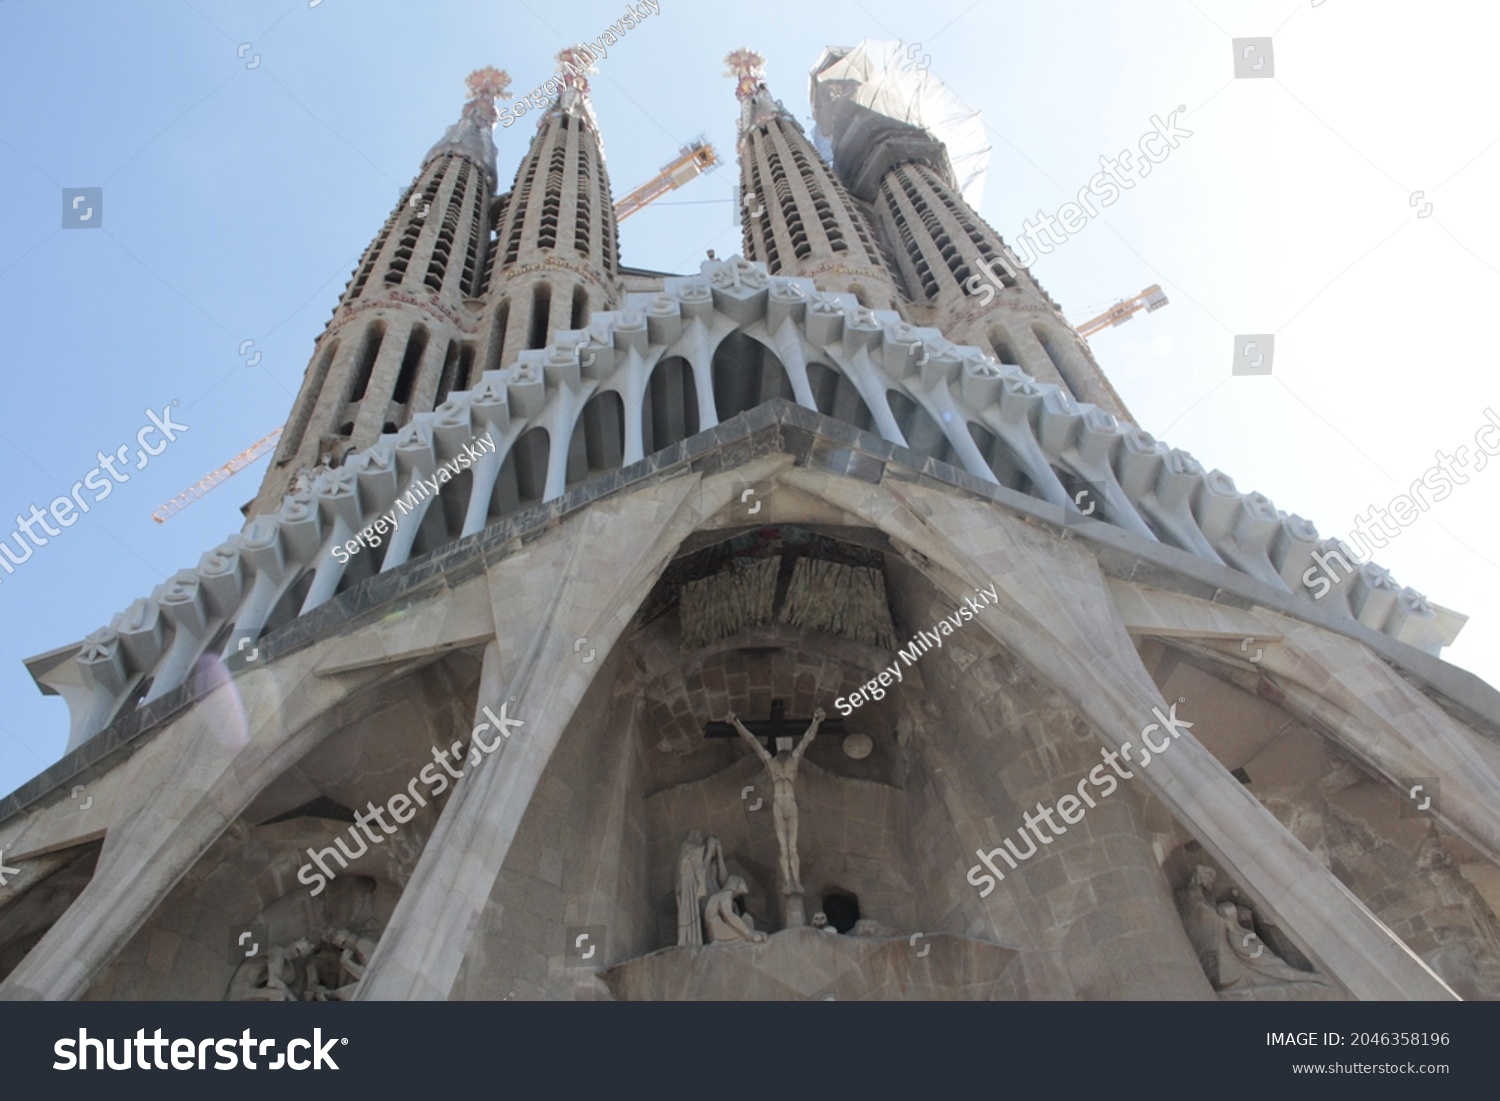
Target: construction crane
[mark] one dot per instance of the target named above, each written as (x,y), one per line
(223,474)
(1150,299)
(692,160)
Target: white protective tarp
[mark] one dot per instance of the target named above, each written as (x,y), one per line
(893,79)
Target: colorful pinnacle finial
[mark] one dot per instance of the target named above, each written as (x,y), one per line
(485,86)
(575,64)
(749,70)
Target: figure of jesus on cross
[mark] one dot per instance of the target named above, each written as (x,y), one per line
(783,770)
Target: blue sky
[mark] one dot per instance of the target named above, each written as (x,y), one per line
(238,195)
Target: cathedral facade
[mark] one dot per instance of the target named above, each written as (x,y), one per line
(808,626)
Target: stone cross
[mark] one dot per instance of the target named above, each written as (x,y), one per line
(773,728)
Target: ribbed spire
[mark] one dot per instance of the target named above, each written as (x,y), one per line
(557,255)
(471,136)
(757,106)
(574,65)
(405,333)
(797,218)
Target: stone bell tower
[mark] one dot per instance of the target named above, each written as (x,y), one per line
(797,217)
(406,331)
(556,251)
(959,274)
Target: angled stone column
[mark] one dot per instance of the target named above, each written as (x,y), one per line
(1056,614)
(188,783)
(1336,685)
(586,580)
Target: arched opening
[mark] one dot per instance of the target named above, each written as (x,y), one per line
(523,475)
(837,397)
(580,314)
(1049,345)
(1000,344)
(1000,460)
(541,308)
(496,347)
(923,434)
(598,443)
(465,367)
(670,414)
(746,374)
(291,439)
(450,364)
(369,349)
(841,909)
(411,362)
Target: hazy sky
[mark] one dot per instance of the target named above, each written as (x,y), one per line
(248,151)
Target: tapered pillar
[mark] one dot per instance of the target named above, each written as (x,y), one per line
(429,935)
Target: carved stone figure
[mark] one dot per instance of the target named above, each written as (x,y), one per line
(724,925)
(1253,953)
(700,871)
(331,969)
(820,922)
(354,957)
(1233,955)
(281,970)
(783,771)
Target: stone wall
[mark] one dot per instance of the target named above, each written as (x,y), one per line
(1091,912)
(579,859)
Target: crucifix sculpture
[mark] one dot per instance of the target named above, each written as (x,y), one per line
(783,771)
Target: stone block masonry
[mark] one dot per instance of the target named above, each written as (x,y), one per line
(1073,807)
